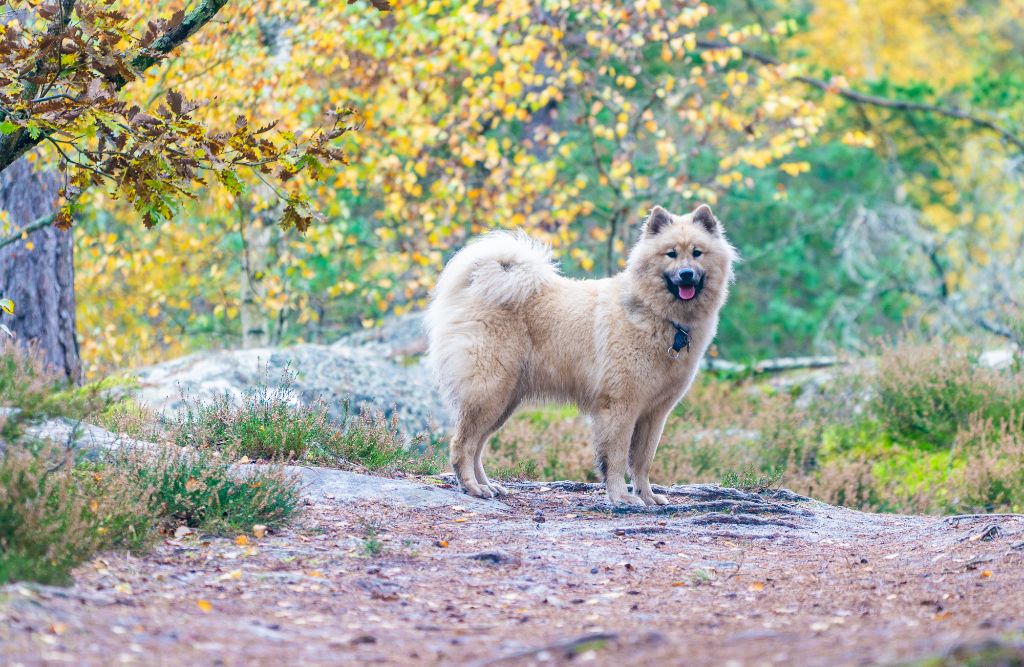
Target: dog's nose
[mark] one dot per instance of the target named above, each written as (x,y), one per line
(687,276)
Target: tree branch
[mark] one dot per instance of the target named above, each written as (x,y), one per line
(875,100)
(35,226)
(16,144)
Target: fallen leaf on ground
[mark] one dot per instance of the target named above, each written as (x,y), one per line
(259,530)
(204,606)
(241,540)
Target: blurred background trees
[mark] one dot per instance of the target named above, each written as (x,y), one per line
(865,157)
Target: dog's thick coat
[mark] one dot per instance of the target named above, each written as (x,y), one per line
(504,326)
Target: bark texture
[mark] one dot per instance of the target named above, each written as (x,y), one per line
(38,272)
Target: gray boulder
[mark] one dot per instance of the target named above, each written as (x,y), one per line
(381,369)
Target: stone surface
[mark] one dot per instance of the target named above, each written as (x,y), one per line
(343,486)
(380,369)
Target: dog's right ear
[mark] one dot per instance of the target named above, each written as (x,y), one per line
(656,221)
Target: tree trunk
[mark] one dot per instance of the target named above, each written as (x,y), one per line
(38,272)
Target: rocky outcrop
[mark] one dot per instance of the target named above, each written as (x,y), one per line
(380,369)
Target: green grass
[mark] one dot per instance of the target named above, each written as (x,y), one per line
(28,385)
(205,491)
(752,479)
(273,424)
(54,516)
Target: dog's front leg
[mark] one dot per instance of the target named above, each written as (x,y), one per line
(642,447)
(612,433)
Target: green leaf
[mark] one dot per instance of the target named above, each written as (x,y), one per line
(7,127)
(230,180)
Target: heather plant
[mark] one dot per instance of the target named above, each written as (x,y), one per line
(54,516)
(35,391)
(205,490)
(274,423)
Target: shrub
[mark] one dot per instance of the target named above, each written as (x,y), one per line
(55,514)
(272,423)
(372,441)
(36,391)
(202,490)
(52,517)
(267,423)
(925,393)
(752,479)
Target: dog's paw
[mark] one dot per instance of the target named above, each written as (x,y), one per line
(477,491)
(625,499)
(655,499)
(497,489)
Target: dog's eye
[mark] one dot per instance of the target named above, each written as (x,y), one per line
(697,252)
(672,253)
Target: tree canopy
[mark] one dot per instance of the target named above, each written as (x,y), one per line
(865,177)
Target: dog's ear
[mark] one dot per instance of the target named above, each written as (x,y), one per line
(706,219)
(656,221)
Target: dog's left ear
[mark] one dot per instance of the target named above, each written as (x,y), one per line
(706,219)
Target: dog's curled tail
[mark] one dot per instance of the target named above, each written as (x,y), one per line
(497,269)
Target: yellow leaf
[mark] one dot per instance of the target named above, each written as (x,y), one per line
(7,306)
(204,606)
(756,586)
(985,574)
(241,540)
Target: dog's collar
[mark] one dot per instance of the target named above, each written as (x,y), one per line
(681,340)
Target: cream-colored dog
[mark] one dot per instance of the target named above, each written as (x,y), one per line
(505,326)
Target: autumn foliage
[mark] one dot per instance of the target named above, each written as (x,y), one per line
(865,179)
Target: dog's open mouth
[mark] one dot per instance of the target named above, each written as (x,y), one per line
(684,292)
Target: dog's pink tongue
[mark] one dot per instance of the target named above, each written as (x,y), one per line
(687,292)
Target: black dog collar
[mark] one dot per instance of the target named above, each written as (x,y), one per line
(681,340)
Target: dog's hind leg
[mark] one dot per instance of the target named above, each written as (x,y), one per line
(481,476)
(479,415)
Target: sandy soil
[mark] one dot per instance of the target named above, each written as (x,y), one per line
(550,577)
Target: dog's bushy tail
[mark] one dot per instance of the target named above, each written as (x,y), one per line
(498,269)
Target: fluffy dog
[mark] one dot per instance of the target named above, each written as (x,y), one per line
(504,326)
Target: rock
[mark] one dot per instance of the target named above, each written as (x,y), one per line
(381,369)
(345,486)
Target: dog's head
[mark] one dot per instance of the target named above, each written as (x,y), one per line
(682,264)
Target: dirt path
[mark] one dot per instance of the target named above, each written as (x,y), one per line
(550,577)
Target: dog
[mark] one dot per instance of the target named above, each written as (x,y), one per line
(504,326)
